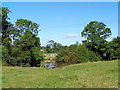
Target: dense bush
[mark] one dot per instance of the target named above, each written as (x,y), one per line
(117,48)
(26,51)
(76,54)
(20,44)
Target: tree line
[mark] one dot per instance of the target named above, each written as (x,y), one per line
(21,45)
(94,48)
(78,53)
(96,34)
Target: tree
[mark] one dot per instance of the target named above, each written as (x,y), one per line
(117,48)
(24,25)
(53,47)
(6,26)
(29,45)
(116,40)
(37,56)
(26,51)
(6,32)
(20,44)
(4,54)
(96,33)
(110,49)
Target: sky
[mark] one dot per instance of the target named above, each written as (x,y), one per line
(60,0)
(63,22)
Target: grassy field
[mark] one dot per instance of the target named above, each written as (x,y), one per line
(86,75)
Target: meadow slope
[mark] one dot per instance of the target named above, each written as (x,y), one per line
(87,75)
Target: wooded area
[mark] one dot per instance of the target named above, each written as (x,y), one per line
(21,45)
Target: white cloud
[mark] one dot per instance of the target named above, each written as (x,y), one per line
(70,19)
(59,18)
(67,19)
(69,36)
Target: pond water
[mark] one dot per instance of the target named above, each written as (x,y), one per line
(53,65)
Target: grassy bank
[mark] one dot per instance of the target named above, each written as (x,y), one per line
(87,75)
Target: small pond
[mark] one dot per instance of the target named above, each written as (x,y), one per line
(53,65)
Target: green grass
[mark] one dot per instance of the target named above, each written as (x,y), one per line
(86,75)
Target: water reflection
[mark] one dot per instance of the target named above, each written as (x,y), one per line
(49,65)
(53,65)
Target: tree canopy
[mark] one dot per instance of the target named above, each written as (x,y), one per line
(52,46)
(21,46)
(24,25)
(96,34)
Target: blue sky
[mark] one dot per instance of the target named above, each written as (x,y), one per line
(64,21)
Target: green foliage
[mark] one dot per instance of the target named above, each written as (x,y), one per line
(21,46)
(37,56)
(6,25)
(4,54)
(96,33)
(116,48)
(23,25)
(7,33)
(76,54)
(118,53)
(52,47)
(26,51)
(5,18)
(116,40)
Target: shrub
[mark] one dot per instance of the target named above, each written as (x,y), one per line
(118,53)
(76,54)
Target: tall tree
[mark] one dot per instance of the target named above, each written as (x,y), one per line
(28,43)
(6,25)
(116,40)
(96,33)
(24,25)
(6,32)
(117,48)
(20,43)
(27,51)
